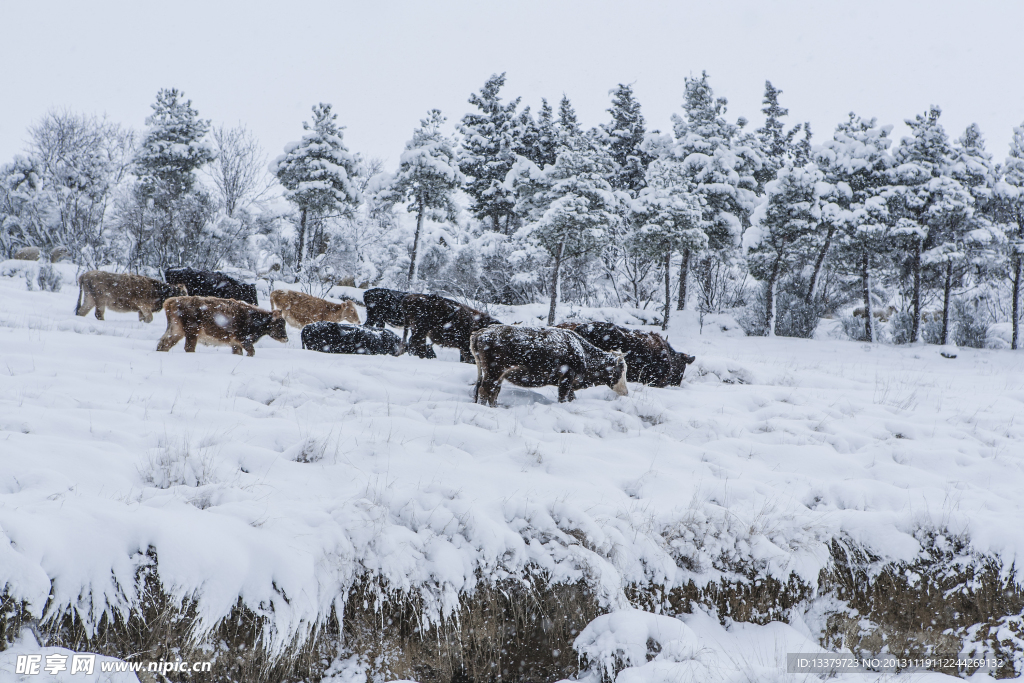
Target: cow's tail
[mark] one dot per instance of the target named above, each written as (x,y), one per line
(81,296)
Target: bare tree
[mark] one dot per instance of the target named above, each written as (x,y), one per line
(82,160)
(240,170)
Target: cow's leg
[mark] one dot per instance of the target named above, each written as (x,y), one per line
(418,343)
(465,356)
(191,339)
(100,310)
(565,392)
(145,315)
(249,349)
(170,338)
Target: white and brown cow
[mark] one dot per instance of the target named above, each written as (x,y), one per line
(123,293)
(213,321)
(301,309)
(542,356)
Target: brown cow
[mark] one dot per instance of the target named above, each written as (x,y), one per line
(219,322)
(446,322)
(301,309)
(123,294)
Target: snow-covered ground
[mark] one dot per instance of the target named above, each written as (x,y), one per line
(280,478)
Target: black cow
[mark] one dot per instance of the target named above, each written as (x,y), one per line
(384,306)
(542,356)
(330,337)
(211,283)
(650,359)
(446,322)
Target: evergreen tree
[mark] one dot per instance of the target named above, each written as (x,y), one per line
(931,207)
(568,125)
(777,145)
(856,163)
(172,149)
(624,136)
(721,164)
(428,176)
(668,216)
(318,173)
(785,229)
(173,221)
(570,207)
(1010,196)
(489,148)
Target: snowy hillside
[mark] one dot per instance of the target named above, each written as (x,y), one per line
(288,478)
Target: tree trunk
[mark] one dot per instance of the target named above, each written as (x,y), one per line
(684,275)
(668,288)
(916,265)
(769,313)
(554,284)
(818,263)
(865,279)
(416,242)
(947,286)
(1016,303)
(302,239)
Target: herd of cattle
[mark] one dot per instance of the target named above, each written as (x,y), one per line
(215,309)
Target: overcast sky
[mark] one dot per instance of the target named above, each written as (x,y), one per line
(384,64)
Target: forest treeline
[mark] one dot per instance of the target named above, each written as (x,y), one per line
(924,235)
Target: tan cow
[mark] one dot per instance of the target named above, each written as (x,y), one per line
(302,309)
(219,322)
(123,293)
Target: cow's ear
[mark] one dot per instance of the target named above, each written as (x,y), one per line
(276,314)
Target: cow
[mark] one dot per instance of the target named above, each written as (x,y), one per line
(211,283)
(122,293)
(445,322)
(219,322)
(881,314)
(652,361)
(301,309)
(384,306)
(649,357)
(328,337)
(542,356)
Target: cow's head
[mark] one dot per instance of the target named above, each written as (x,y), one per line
(679,362)
(165,292)
(275,328)
(249,295)
(617,374)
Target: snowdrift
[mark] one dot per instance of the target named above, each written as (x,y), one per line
(281,482)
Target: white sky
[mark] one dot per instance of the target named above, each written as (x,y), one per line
(383,64)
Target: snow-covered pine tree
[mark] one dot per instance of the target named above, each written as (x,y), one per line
(969,239)
(1010,196)
(173,148)
(174,212)
(785,229)
(721,165)
(668,217)
(570,207)
(489,148)
(569,128)
(318,173)
(624,137)
(856,163)
(777,144)
(929,205)
(428,175)
(537,140)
